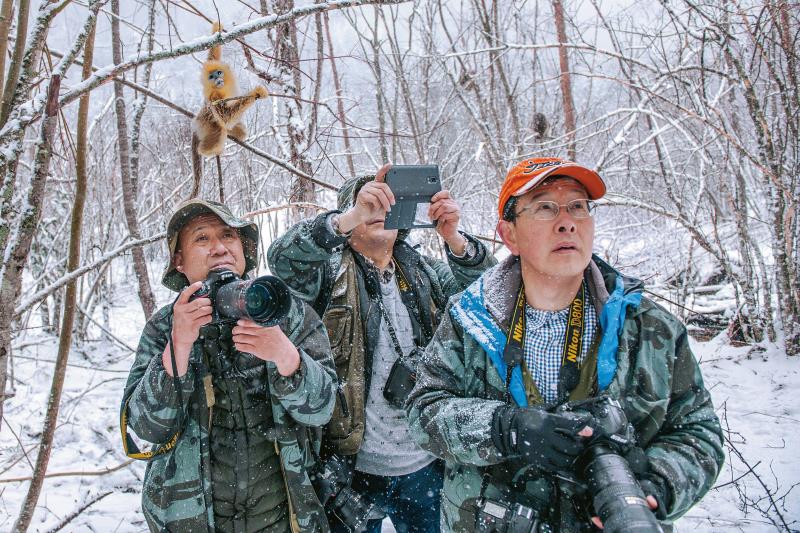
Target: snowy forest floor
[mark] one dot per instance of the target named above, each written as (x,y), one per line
(756,398)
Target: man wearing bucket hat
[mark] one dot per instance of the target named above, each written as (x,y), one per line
(379,298)
(232,410)
(517,386)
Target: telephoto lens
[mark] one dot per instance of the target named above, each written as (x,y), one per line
(618,499)
(265,300)
(616,495)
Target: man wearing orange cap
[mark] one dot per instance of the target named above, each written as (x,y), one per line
(559,397)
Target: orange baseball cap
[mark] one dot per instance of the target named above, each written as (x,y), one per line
(529,173)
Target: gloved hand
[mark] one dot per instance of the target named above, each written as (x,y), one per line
(650,482)
(549,441)
(659,492)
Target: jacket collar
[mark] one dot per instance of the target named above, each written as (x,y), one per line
(500,302)
(508,273)
(484,310)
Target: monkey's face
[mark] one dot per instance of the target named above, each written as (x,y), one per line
(216,78)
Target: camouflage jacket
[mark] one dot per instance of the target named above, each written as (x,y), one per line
(320,267)
(177,493)
(643,359)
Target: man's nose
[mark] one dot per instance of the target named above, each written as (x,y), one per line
(218,247)
(565,222)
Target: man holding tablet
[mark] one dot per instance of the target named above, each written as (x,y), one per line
(381,302)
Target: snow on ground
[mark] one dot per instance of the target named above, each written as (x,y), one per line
(756,398)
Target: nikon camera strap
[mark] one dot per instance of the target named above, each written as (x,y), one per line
(404,286)
(513,354)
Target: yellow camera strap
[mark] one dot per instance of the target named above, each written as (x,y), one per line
(130,447)
(514,352)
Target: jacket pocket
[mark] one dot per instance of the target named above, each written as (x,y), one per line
(344,438)
(338,320)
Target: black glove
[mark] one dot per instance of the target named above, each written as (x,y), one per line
(650,482)
(652,486)
(549,441)
(638,461)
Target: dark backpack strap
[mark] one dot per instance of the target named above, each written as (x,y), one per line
(329,272)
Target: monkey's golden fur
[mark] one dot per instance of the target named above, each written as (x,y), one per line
(218,118)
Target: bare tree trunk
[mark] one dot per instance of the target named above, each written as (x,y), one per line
(480,121)
(6,11)
(339,102)
(404,90)
(70,301)
(788,42)
(760,317)
(768,152)
(197,167)
(41,168)
(15,243)
(140,103)
(23,82)
(9,166)
(376,69)
(128,188)
(314,122)
(565,79)
(16,59)
(491,34)
(288,65)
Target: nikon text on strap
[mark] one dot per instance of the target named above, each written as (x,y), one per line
(513,354)
(570,373)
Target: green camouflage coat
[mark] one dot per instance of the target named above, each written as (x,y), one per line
(654,375)
(322,269)
(177,493)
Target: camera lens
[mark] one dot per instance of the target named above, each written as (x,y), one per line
(257,300)
(265,300)
(618,499)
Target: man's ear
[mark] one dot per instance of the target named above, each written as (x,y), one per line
(508,233)
(177,260)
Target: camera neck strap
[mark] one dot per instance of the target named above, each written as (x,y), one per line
(372,282)
(390,327)
(129,446)
(514,352)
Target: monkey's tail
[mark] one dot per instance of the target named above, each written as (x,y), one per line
(197,166)
(215,52)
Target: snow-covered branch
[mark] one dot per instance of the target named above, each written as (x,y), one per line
(38,296)
(28,112)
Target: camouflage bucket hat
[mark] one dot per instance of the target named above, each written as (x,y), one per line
(346,196)
(185,212)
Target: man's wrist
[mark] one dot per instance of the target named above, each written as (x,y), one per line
(335,225)
(289,363)
(347,221)
(181,358)
(458,245)
(181,347)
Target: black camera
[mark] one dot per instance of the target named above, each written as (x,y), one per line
(265,300)
(616,495)
(501,516)
(402,378)
(332,484)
